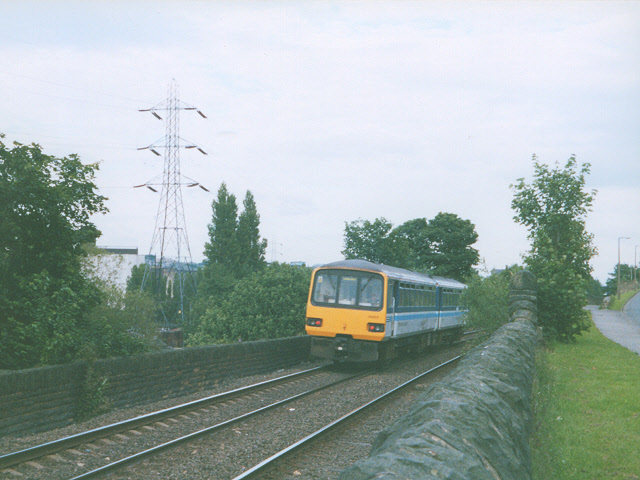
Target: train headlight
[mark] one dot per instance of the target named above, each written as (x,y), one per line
(314,322)
(375,327)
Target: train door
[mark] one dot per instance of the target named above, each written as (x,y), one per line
(391,308)
(438,306)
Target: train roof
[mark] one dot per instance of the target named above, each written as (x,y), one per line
(395,273)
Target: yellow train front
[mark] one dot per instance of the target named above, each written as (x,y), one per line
(360,311)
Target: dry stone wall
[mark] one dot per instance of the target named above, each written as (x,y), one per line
(476,423)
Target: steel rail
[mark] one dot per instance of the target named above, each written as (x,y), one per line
(71,441)
(260,468)
(206,431)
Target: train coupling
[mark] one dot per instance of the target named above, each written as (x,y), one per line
(344,349)
(341,347)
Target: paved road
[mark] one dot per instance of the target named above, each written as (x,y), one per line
(621,327)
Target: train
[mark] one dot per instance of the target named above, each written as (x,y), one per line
(359,311)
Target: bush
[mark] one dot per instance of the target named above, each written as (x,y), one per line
(487,300)
(266,304)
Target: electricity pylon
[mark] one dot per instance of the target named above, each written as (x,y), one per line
(170,270)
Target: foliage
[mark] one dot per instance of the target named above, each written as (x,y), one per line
(487,300)
(122,323)
(595,291)
(91,399)
(222,248)
(45,205)
(252,249)
(553,208)
(586,404)
(415,234)
(626,276)
(269,303)
(440,246)
(450,239)
(376,242)
(234,249)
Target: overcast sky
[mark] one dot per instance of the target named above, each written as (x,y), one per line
(329,112)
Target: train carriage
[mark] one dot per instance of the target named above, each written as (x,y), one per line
(361,311)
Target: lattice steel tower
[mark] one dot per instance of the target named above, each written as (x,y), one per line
(169,267)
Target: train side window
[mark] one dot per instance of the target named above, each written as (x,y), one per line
(325,288)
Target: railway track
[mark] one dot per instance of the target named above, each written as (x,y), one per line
(118,432)
(226,454)
(220,422)
(318,454)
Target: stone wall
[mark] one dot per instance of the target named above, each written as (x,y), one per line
(44,398)
(474,424)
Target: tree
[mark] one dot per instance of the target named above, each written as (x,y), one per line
(626,277)
(441,246)
(222,248)
(487,299)
(446,248)
(251,248)
(269,303)
(376,242)
(45,206)
(234,249)
(595,292)
(419,246)
(221,252)
(554,208)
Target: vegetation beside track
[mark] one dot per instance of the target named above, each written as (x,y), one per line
(587,411)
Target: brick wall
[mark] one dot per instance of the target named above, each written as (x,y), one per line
(44,398)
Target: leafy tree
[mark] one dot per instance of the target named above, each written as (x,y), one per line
(553,208)
(441,246)
(222,248)
(45,206)
(222,251)
(626,275)
(270,303)
(450,253)
(234,251)
(235,248)
(595,291)
(376,242)
(251,247)
(155,282)
(419,245)
(487,299)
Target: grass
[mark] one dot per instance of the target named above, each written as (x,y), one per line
(587,404)
(617,304)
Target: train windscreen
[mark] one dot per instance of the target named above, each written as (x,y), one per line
(348,289)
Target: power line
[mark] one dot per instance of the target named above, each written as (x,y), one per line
(75,88)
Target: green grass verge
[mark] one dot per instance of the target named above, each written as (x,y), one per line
(587,408)
(618,303)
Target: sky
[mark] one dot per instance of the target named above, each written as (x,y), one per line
(335,111)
